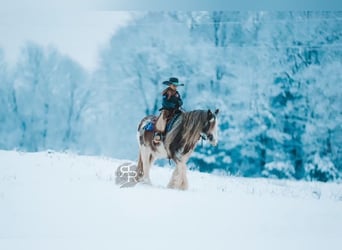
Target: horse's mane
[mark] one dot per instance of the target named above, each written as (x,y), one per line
(185,132)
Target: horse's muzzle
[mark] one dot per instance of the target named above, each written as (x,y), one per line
(211,139)
(214,143)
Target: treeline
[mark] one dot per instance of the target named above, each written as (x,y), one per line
(274,75)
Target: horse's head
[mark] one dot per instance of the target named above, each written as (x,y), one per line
(210,129)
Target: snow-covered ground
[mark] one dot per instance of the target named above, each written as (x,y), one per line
(54,200)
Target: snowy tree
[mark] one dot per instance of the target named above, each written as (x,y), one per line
(70,91)
(8,128)
(299,82)
(49,83)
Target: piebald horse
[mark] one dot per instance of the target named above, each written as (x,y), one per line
(177,145)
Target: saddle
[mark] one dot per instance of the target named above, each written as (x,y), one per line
(150,126)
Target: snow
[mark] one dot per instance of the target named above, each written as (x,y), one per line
(52,200)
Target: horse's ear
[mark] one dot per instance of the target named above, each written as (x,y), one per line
(210,114)
(216,111)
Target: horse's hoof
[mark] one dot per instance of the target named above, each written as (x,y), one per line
(147,182)
(181,187)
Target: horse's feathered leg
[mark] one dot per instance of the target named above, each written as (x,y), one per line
(146,158)
(179,179)
(140,169)
(184,184)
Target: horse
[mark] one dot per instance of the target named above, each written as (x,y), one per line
(178,144)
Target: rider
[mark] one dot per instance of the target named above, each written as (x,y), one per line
(171,105)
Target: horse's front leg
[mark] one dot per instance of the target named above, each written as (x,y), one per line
(179,179)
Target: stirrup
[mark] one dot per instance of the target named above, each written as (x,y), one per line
(157,137)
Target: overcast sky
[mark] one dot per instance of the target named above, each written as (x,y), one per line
(77,33)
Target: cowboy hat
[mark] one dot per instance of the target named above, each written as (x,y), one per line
(174,81)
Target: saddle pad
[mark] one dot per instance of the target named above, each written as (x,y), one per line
(149,126)
(169,125)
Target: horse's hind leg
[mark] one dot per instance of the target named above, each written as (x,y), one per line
(146,159)
(140,169)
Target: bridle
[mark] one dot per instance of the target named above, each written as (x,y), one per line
(205,135)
